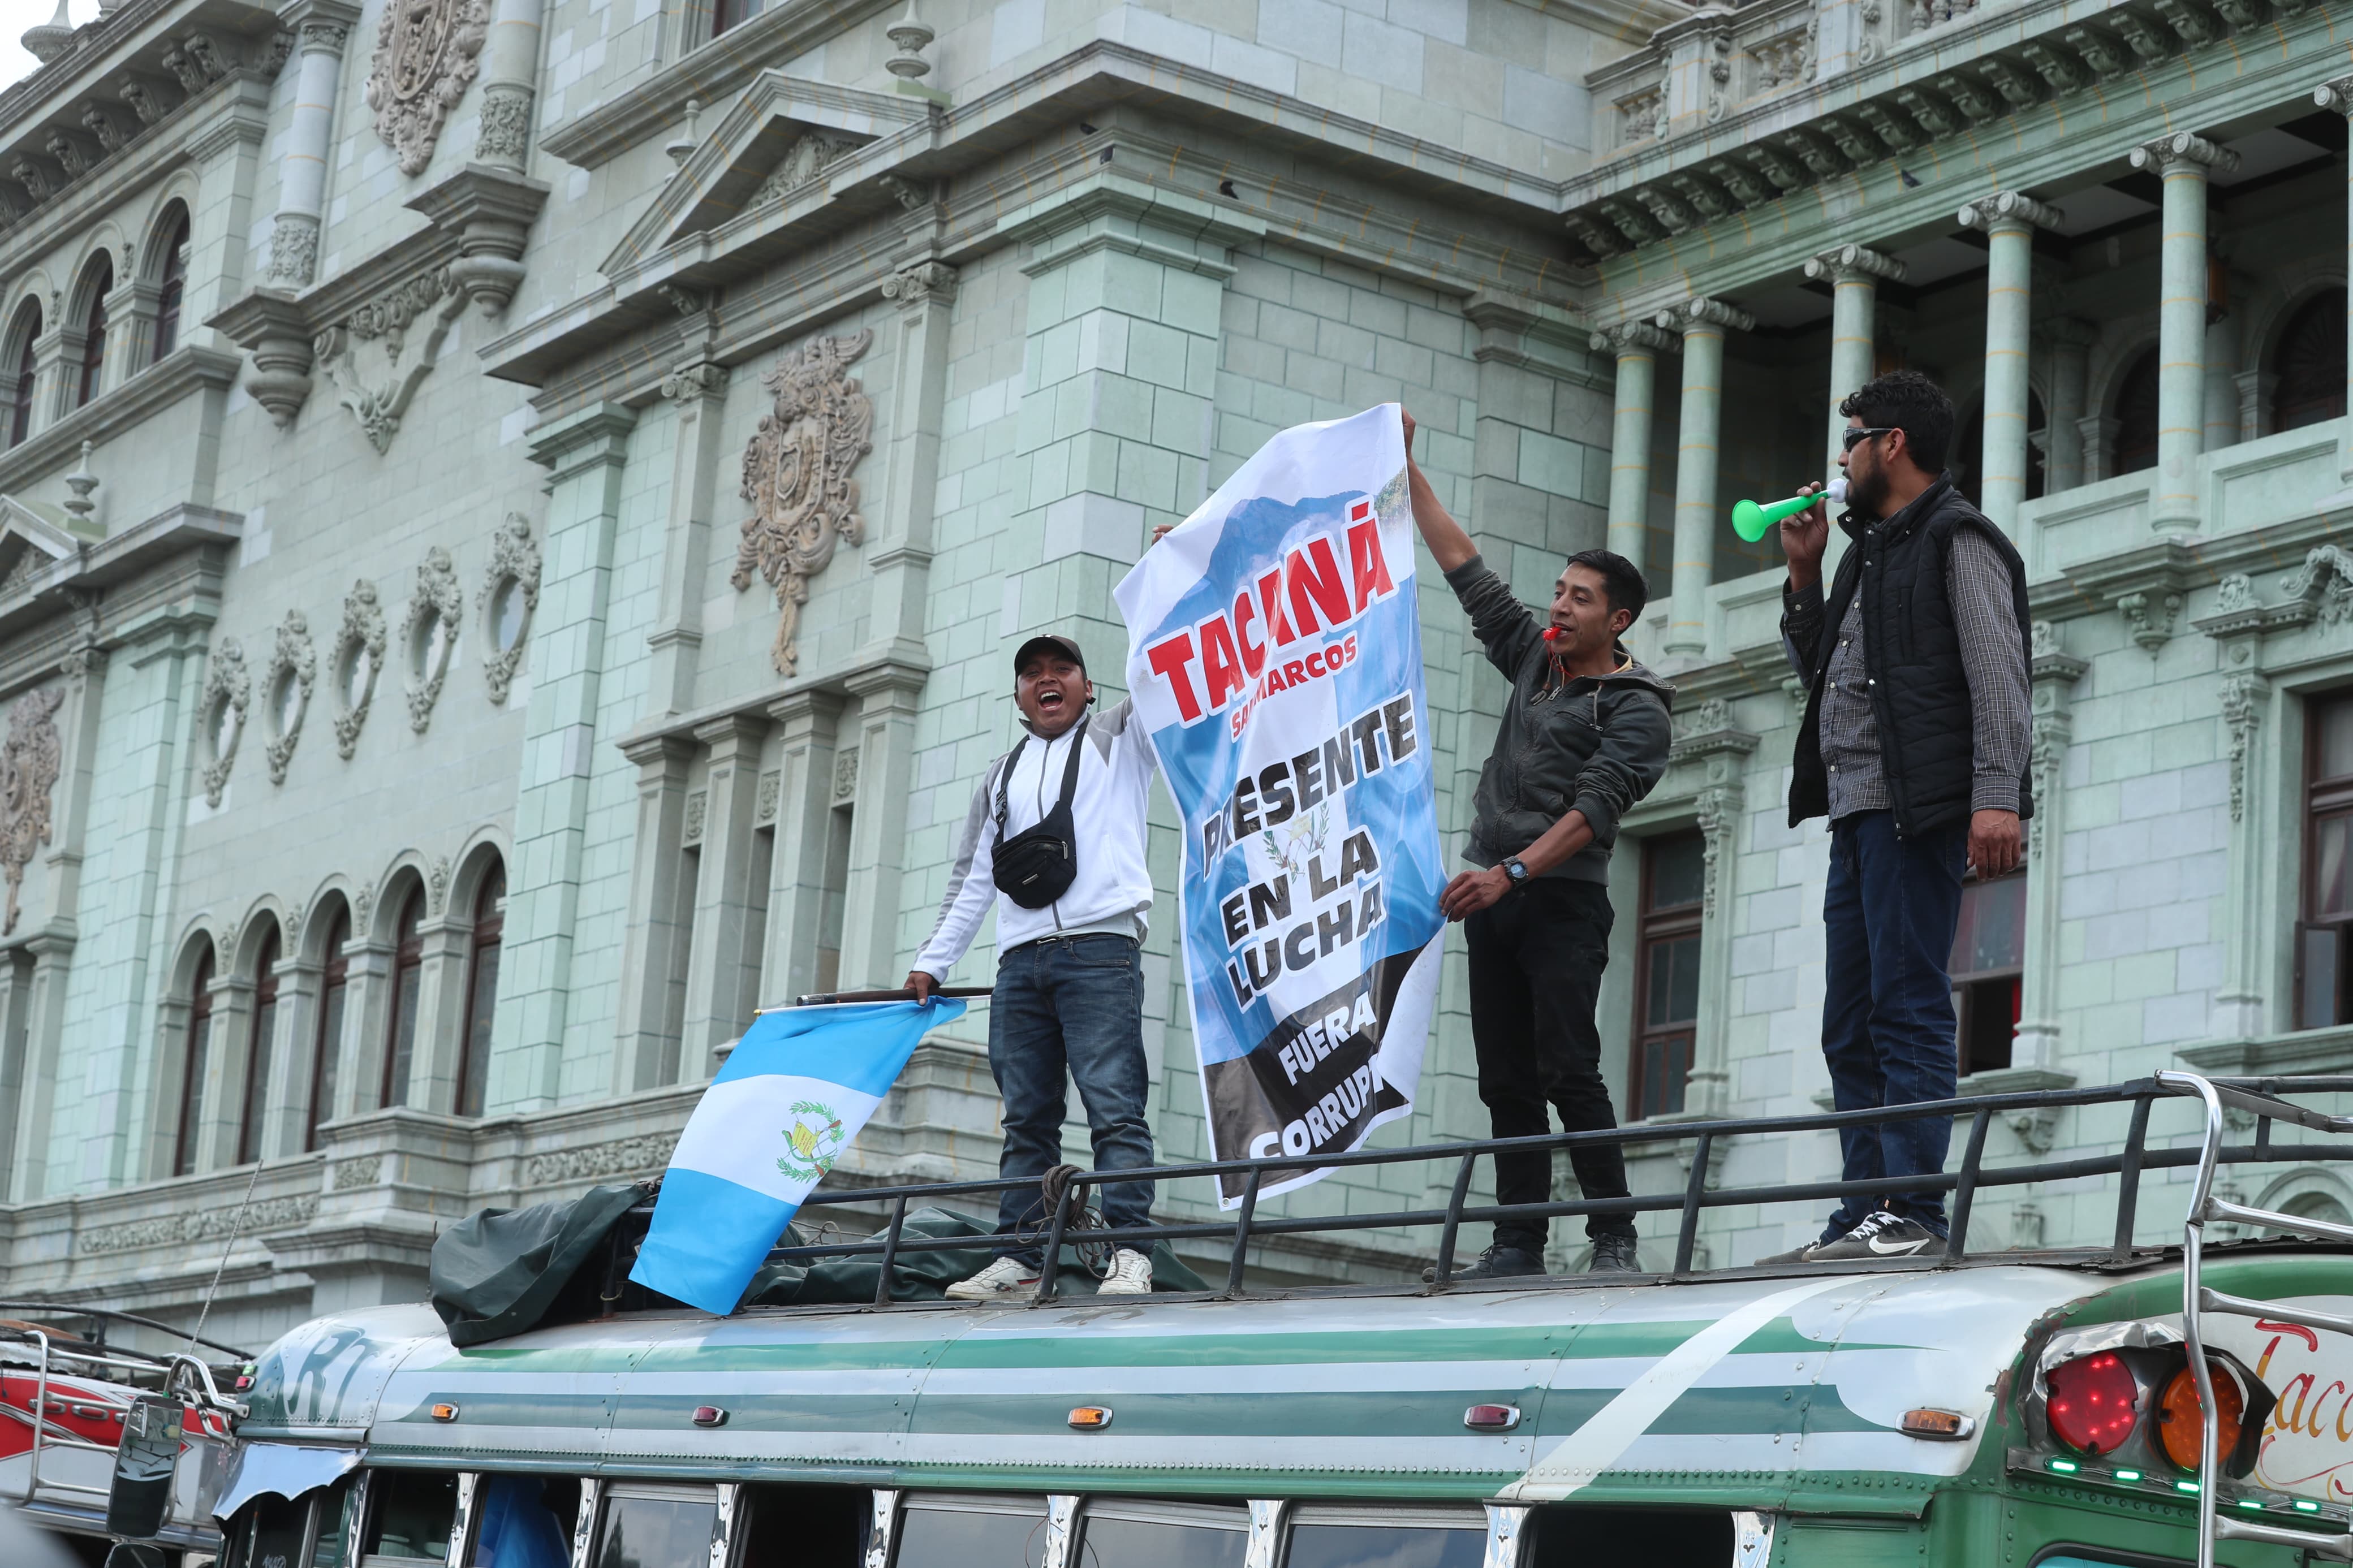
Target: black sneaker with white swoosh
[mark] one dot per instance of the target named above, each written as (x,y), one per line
(1881,1235)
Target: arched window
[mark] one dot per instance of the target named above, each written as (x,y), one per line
(2136,418)
(482,992)
(20,385)
(191,1076)
(407,974)
(100,281)
(256,1052)
(173,282)
(2310,365)
(327,1043)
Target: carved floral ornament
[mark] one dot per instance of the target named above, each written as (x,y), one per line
(358,660)
(797,473)
(293,671)
(29,763)
(427,52)
(228,692)
(428,632)
(507,600)
(379,333)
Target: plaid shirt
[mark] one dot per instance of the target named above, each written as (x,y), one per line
(1977,582)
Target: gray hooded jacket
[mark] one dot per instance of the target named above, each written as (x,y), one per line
(1595,745)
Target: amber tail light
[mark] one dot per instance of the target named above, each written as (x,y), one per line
(2180,1423)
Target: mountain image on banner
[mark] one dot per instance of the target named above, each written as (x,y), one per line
(1275,660)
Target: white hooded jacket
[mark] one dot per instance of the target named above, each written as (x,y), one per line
(1113,890)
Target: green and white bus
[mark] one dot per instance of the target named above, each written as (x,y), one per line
(2035,1410)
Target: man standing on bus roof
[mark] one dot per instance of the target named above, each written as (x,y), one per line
(1583,737)
(1915,744)
(1069,997)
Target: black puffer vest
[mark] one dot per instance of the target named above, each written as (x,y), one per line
(1919,692)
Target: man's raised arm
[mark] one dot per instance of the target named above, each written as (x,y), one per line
(1447,542)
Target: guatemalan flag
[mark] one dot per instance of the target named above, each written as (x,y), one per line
(789,1100)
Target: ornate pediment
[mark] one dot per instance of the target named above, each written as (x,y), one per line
(784,139)
(35,536)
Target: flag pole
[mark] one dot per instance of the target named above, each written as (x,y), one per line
(897,994)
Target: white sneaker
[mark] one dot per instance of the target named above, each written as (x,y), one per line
(1002,1277)
(1131,1275)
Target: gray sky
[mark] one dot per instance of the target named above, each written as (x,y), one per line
(16,16)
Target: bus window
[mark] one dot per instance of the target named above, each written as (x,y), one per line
(413,1514)
(975,1532)
(645,1526)
(1122,1535)
(1568,1535)
(814,1527)
(1380,1544)
(278,1531)
(272,1531)
(524,1519)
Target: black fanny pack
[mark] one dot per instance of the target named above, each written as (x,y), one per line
(1038,865)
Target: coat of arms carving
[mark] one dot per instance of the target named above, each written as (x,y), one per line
(796,476)
(28,771)
(427,52)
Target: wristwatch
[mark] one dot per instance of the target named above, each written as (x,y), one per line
(1516,872)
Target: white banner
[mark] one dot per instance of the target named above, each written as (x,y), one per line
(1274,655)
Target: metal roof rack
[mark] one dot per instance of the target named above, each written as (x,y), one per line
(2258,1096)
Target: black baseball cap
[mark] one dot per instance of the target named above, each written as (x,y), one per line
(1046,643)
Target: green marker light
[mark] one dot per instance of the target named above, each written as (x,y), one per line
(2190,1486)
(2251,1502)
(2064,1467)
(2306,1505)
(2128,1475)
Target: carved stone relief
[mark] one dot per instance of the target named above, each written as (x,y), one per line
(796,476)
(504,124)
(514,559)
(228,691)
(437,885)
(29,761)
(804,161)
(293,671)
(2325,580)
(427,52)
(376,361)
(427,632)
(358,660)
(2243,714)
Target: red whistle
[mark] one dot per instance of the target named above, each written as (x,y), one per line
(1552,634)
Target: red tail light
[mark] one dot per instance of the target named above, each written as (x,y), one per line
(2091,1404)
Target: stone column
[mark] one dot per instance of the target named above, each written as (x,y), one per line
(889,696)
(723,967)
(696,394)
(654,951)
(584,456)
(899,547)
(2336,95)
(2071,344)
(2009,220)
(2221,356)
(2243,999)
(510,81)
(2053,672)
(1855,275)
(2183,160)
(1702,323)
(321,28)
(1637,346)
(129,323)
(1712,741)
(44,1042)
(803,819)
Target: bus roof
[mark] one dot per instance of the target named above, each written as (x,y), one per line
(1782,1391)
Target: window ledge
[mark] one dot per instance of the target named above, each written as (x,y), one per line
(191,367)
(2300,1051)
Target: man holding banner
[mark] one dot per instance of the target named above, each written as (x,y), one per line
(1583,737)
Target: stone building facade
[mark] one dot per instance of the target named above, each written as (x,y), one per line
(514,513)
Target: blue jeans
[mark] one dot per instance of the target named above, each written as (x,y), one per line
(1071,1004)
(1887,1013)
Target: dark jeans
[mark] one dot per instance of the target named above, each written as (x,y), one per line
(1887,1013)
(1074,1005)
(1535,969)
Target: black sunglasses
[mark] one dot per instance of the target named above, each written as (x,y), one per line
(1856,437)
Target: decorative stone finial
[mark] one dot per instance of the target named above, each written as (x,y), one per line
(681,146)
(52,39)
(912,38)
(82,481)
